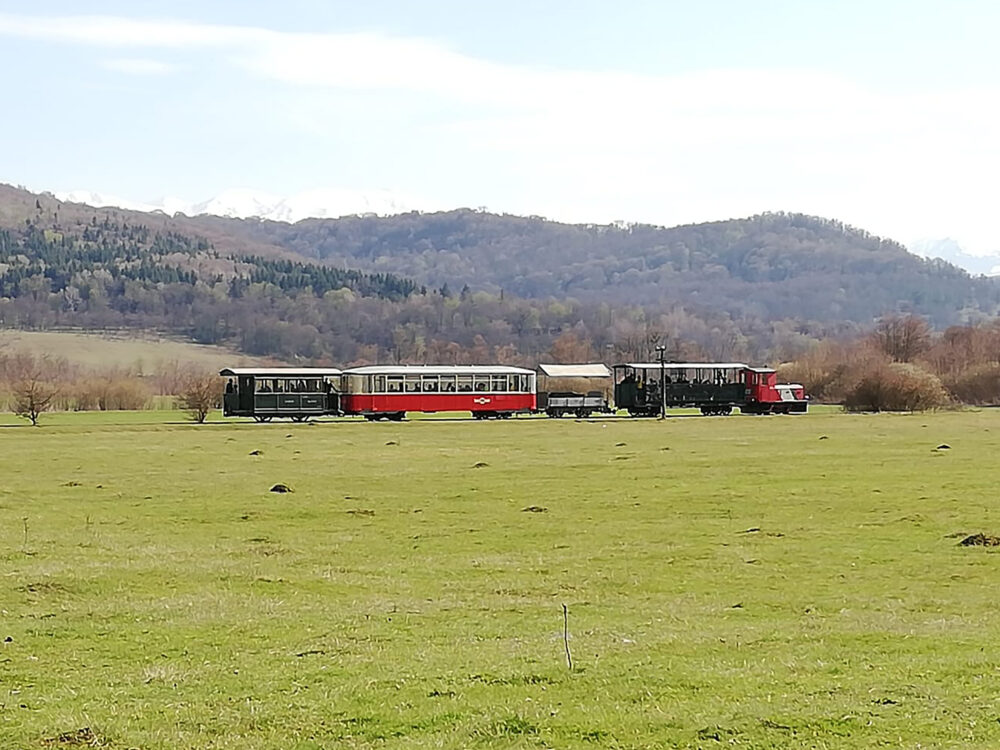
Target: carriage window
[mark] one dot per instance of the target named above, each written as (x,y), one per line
(448,383)
(379,386)
(430,383)
(395,383)
(499,382)
(465,382)
(412,383)
(264,386)
(515,382)
(481,382)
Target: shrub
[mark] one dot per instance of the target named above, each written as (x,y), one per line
(832,369)
(201,393)
(112,392)
(978,385)
(896,387)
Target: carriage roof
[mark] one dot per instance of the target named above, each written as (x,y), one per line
(438,370)
(280,372)
(576,371)
(685,365)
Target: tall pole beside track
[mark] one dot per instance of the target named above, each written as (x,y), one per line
(662,352)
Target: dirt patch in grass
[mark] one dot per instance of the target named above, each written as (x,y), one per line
(44,587)
(980,540)
(85,737)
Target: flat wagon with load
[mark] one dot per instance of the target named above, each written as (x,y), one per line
(556,401)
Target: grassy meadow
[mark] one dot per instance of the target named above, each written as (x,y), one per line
(128,349)
(765,582)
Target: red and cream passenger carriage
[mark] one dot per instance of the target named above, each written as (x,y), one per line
(389,391)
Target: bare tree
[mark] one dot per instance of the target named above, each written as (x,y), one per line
(902,337)
(33,387)
(201,392)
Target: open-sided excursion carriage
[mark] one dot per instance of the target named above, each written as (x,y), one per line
(646,389)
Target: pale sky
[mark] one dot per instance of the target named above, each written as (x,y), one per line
(880,114)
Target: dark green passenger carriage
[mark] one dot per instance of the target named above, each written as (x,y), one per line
(296,393)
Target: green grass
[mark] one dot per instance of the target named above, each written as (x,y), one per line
(154,590)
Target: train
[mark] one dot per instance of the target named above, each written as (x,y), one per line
(389,392)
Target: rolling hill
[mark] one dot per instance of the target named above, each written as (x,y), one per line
(463,285)
(771,266)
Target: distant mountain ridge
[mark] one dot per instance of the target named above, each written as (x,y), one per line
(333,203)
(244,203)
(950,250)
(771,266)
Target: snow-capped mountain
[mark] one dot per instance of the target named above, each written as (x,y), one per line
(244,203)
(950,250)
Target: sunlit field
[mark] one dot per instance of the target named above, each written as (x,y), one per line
(755,582)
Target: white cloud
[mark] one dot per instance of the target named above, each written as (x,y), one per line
(138,66)
(601,145)
(111,31)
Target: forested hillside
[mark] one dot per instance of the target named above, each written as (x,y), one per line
(110,273)
(771,266)
(465,286)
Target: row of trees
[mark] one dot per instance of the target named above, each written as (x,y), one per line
(904,365)
(32,384)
